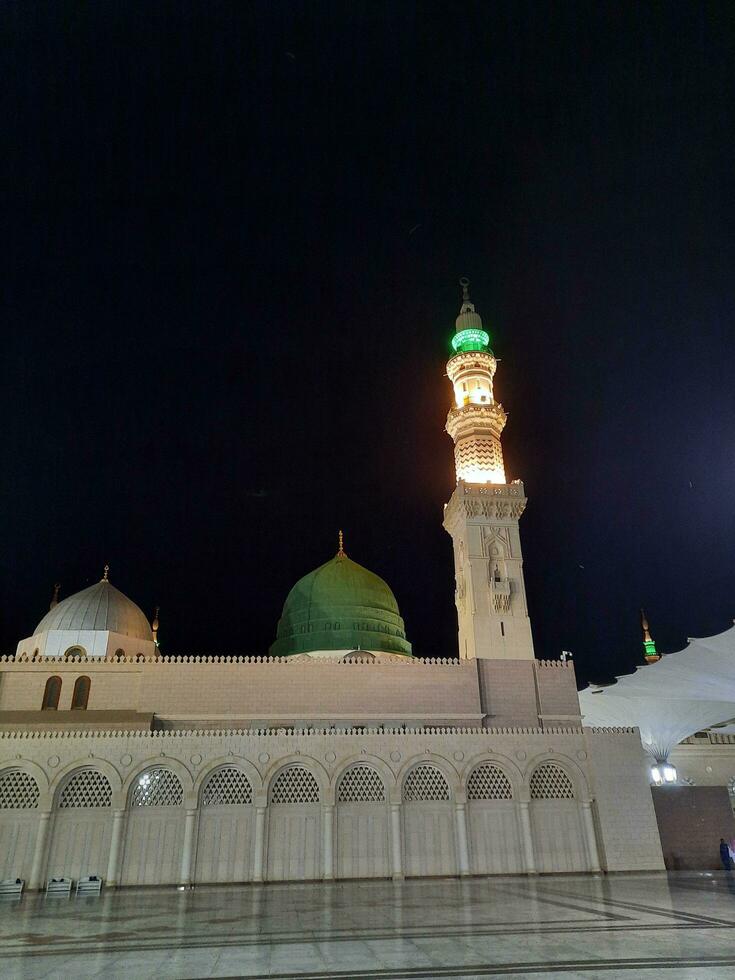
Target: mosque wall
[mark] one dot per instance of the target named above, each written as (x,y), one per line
(186,806)
(625,813)
(528,692)
(262,692)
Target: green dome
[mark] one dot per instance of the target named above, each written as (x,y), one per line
(340,606)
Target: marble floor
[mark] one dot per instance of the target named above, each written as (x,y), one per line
(571,926)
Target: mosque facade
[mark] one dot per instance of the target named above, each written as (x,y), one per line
(339,754)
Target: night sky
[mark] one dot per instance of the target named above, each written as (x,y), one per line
(232,234)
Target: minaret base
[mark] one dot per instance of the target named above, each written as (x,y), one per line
(482,520)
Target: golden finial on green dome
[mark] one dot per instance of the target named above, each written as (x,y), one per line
(341,549)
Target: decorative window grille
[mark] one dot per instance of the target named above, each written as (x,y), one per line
(157,787)
(87,788)
(18,791)
(489,783)
(295,785)
(227,787)
(550,782)
(361,784)
(425,783)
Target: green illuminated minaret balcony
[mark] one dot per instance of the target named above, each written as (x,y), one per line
(470,334)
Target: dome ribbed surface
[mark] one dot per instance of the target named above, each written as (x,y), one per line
(100,607)
(340,606)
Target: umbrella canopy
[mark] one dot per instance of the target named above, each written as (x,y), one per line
(672,699)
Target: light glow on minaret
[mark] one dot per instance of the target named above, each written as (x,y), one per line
(476,420)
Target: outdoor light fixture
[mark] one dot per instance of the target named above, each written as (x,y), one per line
(669,773)
(664,773)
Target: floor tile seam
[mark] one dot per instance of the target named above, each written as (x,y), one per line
(568,905)
(36,953)
(655,910)
(459,972)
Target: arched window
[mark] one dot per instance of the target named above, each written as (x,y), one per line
(18,790)
(295,785)
(80,697)
(226,787)
(51,694)
(425,783)
(119,654)
(73,652)
(361,784)
(157,787)
(488,782)
(86,788)
(550,782)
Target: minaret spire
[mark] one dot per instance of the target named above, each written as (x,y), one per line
(55,596)
(154,625)
(649,644)
(467,305)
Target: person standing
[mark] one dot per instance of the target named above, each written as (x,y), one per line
(725,854)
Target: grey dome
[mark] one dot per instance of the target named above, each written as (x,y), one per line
(100,607)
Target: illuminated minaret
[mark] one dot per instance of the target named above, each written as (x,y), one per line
(482,514)
(649,644)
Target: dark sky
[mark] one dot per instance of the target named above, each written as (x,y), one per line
(232,234)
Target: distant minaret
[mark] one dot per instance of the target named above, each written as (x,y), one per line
(482,514)
(649,644)
(55,597)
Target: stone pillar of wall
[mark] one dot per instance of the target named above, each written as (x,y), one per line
(187,852)
(40,851)
(460,823)
(524,817)
(113,862)
(396,841)
(259,843)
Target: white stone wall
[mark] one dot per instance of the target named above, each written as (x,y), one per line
(625,816)
(410,817)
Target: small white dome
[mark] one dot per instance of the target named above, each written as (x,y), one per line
(100,607)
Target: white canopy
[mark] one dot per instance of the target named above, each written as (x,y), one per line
(672,699)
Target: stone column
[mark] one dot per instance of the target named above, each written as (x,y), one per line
(39,853)
(259,845)
(327,841)
(113,861)
(395,840)
(527,837)
(590,835)
(187,852)
(460,821)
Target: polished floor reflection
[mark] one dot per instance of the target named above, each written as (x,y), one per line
(678,926)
